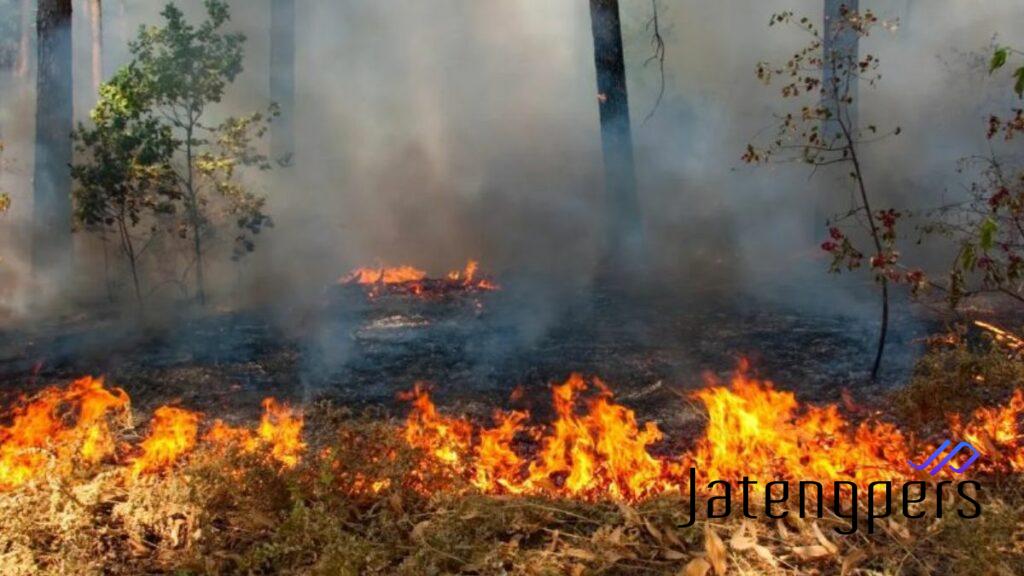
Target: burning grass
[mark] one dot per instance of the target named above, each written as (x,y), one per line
(592,491)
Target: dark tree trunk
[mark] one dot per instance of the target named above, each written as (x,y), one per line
(282,78)
(840,47)
(624,232)
(51,238)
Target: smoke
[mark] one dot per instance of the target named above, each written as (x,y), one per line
(433,132)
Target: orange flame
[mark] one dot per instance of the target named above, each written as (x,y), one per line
(410,280)
(65,423)
(755,431)
(172,435)
(384,275)
(597,449)
(281,429)
(996,432)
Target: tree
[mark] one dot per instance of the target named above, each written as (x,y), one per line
(94,10)
(624,231)
(51,237)
(987,228)
(183,69)
(282,78)
(825,132)
(840,48)
(127,174)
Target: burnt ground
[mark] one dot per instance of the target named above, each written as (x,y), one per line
(474,348)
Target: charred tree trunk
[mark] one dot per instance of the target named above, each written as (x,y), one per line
(624,233)
(282,78)
(51,234)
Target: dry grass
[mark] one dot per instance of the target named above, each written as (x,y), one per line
(361,503)
(233,514)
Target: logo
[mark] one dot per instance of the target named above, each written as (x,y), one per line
(945,461)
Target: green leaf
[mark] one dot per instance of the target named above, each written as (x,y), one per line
(998,59)
(987,234)
(1018,86)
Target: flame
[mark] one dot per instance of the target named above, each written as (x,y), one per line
(599,452)
(172,434)
(445,439)
(411,280)
(281,429)
(996,432)
(764,434)
(595,448)
(63,423)
(384,275)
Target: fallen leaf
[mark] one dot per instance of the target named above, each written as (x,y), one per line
(419,530)
(696,567)
(740,540)
(852,560)
(899,530)
(669,554)
(715,550)
(766,555)
(814,552)
(823,540)
(581,554)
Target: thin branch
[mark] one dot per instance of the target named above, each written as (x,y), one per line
(658,55)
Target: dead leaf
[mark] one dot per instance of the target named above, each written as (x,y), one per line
(899,530)
(581,554)
(766,555)
(669,554)
(715,549)
(740,540)
(653,530)
(696,567)
(852,560)
(823,540)
(419,530)
(783,531)
(815,552)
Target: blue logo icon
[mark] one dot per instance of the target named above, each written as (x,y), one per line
(948,458)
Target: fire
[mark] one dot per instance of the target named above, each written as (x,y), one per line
(598,450)
(62,428)
(413,281)
(279,433)
(445,439)
(996,432)
(172,434)
(384,275)
(281,429)
(595,448)
(62,425)
(756,431)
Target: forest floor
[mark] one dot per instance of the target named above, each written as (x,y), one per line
(347,361)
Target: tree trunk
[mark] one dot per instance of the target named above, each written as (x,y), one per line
(623,214)
(282,78)
(51,234)
(840,46)
(25,42)
(839,50)
(95,9)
